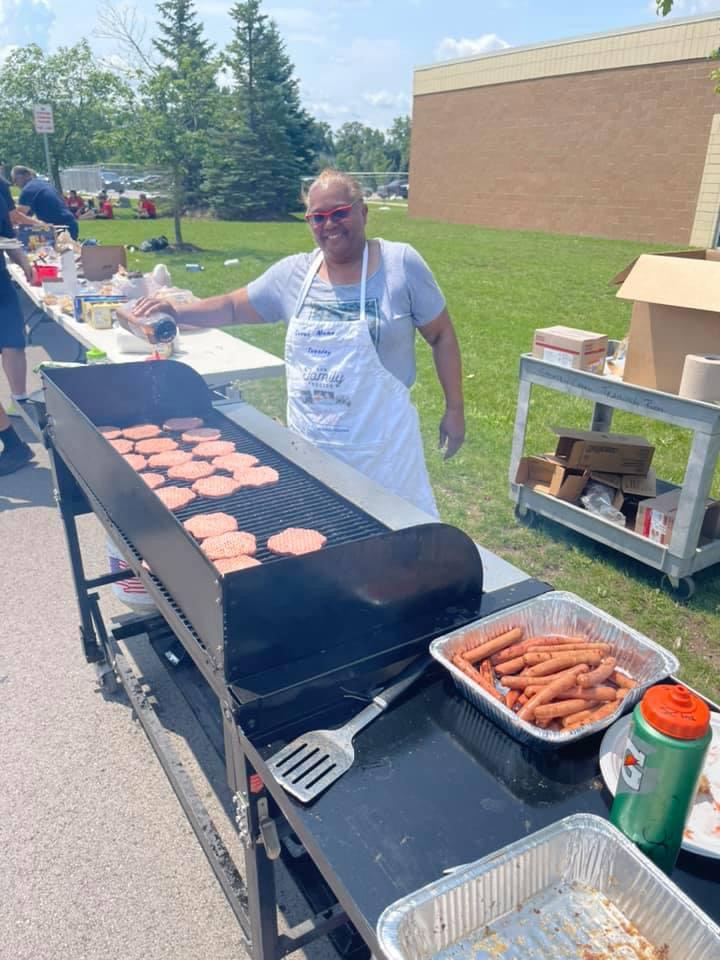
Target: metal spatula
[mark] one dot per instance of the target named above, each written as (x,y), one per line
(313,761)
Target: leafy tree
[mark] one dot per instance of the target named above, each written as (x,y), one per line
(263,139)
(398,144)
(91,106)
(359,148)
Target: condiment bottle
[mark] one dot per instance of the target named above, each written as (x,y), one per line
(669,736)
(156,328)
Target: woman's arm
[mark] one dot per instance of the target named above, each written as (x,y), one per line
(440,334)
(224,310)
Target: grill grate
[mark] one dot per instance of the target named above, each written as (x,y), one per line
(296,500)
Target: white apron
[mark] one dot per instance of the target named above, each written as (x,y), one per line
(342,399)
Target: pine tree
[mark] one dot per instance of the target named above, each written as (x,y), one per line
(265,140)
(179,100)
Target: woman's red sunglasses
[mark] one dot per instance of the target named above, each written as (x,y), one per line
(318,218)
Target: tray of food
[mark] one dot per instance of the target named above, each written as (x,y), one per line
(552,670)
(577,889)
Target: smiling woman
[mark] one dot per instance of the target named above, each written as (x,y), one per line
(352,308)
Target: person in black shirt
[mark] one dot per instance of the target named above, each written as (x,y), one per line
(15,453)
(42,199)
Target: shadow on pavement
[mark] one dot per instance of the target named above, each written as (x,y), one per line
(29,487)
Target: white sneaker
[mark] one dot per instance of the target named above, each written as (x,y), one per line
(11,410)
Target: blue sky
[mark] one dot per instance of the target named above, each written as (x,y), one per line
(354,58)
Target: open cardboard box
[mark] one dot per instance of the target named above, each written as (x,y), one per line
(676,311)
(547,475)
(101,263)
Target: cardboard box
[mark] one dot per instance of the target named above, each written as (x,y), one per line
(656,517)
(101,263)
(568,347)
(607,452)
(546,475)
(676,311)
(628,484)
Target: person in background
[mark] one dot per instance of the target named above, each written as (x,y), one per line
(105,208)
(146,208)
(15,453)
(75,203)
(353,307)
(42,200)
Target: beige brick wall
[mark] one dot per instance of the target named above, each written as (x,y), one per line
(613,153)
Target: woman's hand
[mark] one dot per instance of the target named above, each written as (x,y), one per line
(148,305)
(452,432)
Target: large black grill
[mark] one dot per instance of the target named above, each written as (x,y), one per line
(370,596)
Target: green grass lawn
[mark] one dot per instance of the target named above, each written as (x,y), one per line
(500,286)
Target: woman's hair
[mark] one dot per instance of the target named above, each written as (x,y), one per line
(23,172)
(329,177)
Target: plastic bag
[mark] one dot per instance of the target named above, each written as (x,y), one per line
(598,499)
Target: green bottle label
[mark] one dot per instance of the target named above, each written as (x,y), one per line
(638,774)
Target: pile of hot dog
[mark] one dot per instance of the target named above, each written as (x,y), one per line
(555,682)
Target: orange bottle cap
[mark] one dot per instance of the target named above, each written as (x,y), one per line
(673,710)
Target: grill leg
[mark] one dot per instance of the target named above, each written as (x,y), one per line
(63,491)
(259,869)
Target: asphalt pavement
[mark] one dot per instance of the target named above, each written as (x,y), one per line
(98,859)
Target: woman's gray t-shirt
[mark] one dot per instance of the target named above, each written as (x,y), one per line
(401,295)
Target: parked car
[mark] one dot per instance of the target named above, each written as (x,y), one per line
(110,180)
(396,188)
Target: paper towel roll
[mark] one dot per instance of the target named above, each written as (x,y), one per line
(701,378)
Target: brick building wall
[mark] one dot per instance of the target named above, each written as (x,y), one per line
(614,153)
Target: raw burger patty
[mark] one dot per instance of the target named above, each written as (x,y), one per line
(170,459)
(175,498)
(216,486)
(296,540)
(236,563)
(229,545)
(199,434)
(142,431)
(213,448)
(235,461)
(122,446)
(110,433)
(153,480)
(135,460)
(176,424)
(192,470)
(158,445)
(256,476)
(210,525)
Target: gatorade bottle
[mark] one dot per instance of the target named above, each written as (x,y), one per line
(663,759)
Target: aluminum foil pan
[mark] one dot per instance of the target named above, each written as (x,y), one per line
(576,890)
(561,613)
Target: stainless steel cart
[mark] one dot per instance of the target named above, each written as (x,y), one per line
(682,557)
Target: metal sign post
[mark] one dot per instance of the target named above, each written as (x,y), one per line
(44,124)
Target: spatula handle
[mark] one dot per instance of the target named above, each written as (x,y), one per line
(404,680)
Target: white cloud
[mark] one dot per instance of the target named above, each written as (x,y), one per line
(25,21)
(450,49)
(324,110)
(383,98)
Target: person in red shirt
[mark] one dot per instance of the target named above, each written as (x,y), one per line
(75,203)
(105,211)
(146,208)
